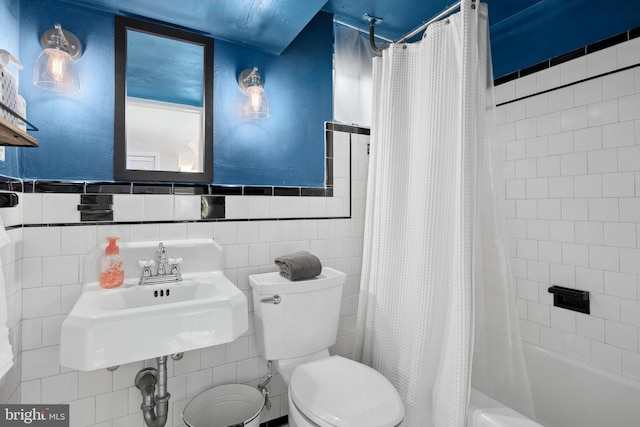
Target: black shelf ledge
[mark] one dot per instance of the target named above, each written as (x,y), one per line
(570,299)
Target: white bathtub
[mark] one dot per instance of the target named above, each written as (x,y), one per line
(566,393)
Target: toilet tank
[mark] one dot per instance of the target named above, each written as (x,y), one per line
(304,321)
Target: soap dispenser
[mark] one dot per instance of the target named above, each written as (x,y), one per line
(111,272)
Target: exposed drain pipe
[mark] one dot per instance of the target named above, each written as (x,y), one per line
(146,381)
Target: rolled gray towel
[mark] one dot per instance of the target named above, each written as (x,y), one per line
(299,265)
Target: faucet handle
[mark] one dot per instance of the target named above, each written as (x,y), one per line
(146,262)
(175,260)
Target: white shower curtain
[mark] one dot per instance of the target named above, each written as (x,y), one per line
(434,265)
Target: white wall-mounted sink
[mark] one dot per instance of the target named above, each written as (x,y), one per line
(109,327)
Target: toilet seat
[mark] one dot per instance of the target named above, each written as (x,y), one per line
(338,392)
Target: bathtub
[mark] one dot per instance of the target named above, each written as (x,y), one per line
(566,393)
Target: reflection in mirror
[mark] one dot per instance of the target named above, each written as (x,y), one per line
(164,91)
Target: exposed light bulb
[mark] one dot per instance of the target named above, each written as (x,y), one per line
(255,95)
(56,65)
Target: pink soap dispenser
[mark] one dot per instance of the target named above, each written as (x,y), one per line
(111,272)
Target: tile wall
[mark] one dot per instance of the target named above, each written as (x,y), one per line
(44,264)
(571,140)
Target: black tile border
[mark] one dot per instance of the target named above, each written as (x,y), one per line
(340,127)
(277,422)
(577,53)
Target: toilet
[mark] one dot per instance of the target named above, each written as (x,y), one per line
(296,323)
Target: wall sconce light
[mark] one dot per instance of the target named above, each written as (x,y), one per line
(54,69)
(255,106)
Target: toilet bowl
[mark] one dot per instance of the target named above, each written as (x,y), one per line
(296,323)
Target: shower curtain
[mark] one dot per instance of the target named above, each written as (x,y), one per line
(435,283)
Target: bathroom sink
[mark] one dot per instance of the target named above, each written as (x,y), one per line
(109,327)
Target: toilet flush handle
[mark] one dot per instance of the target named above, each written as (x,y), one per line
(276,299)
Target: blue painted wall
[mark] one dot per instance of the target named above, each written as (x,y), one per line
(10,40)
(76,131)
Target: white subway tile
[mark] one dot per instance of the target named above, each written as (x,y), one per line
(618,184)
(515,111)
(575,118)
(32,208)
(525,168)
(60,208)
(31,334)
(537,188)
(561,231)
(589,232)
(606,356)
(236,256)
(172,231)
(628,158)
(237,207)
(573,164)
(539,313)
(629,261)
(590,280)
(630,311)
(587,139)
(604,258)
(605,306)
(537,105)
(550,251)
(78,240)
(60,388)
(224,374)
(538,271)
(602,161)
(537,229)
(112,405)
(548,79)
(603,112)
(199,381)
(549,209)
(621,335)
(561,143)
(574,254)
(562,319)
(128,207)
(619,134)
(60,270)
(601,61)
(517,228)
(200,230)
(526,85)
(561,99)
(259,254)
(41,241)
(41,302)
(561,187)
(575,209)
(548,166)
(587,92)
(187,207)
(620,234)
(605,209)
(30,392)
(51,327)
(537,147)
(590,327)
(549,124)
(527,249)
(574,70)
(587,185)
(628,53)
(629,209)
(515,149)
(40,363)
(93,383)
(562,275)
(526,128)
(618,84)
(527,290)
(31,272)
(620,285)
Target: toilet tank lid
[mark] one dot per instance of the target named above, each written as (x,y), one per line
(339,392)
(274,283)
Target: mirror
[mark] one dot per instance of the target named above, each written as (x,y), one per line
(163,103)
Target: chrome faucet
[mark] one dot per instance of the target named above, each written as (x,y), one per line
(173,275)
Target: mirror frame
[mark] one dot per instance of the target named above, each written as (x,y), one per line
(120,171)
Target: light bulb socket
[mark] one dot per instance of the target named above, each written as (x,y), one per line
(58,38)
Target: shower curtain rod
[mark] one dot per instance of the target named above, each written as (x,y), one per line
(373,21)
(353,27)
(424,26)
